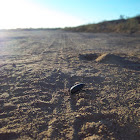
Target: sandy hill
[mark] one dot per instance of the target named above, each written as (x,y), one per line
(130,25)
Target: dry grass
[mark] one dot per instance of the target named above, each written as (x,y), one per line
(130,25)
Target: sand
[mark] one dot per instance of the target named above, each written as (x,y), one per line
(37,69)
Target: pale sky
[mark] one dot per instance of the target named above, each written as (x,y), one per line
(62,13)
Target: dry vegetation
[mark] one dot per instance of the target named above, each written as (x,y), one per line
(130,25)
(37,69)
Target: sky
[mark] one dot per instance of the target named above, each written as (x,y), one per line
(63,13)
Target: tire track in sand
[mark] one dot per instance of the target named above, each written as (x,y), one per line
(63,112)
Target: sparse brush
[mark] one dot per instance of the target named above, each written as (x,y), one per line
(130,25)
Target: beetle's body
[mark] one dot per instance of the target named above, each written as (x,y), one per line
(76,88)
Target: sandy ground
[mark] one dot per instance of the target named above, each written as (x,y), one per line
(37,69)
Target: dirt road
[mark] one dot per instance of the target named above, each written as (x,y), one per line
(37,69)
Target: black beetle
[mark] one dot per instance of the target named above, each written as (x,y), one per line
(76,88)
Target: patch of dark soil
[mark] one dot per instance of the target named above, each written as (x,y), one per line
(8,135)
(88,56)
(8,107)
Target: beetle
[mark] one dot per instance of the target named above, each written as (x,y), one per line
(76,88)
